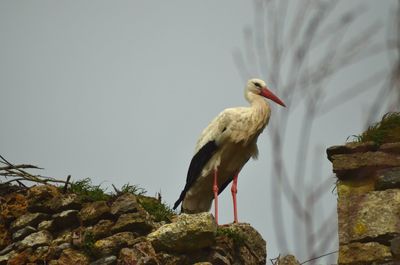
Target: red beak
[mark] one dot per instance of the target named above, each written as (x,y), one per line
(265,92)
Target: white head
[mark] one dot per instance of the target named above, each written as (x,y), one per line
(258,87)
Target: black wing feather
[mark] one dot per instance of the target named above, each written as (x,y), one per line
(199,160)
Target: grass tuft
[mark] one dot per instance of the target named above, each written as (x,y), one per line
(87,191)
(133,189)
(160,211)
(385,131)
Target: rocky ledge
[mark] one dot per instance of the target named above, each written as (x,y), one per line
(43,225)
(368,208)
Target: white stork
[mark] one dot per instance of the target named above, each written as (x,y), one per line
(224,147)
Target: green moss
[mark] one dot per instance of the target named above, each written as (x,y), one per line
(88,244)
(385,131)
(238,237)
(160,211)
(87,191)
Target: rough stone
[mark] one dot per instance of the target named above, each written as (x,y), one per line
(111,260)
(388,179)
(39,195)
(288,260)
(368,216)
(64,237)
(126,203)
(390,147)
(4,258)
(188,233)
(254,250)
(67,219)
(395,247)
(133,222)
(92,212)
(23,232)
(13,206)
(218,259)
(71,256)
(60,248)
(102,229)
(112,244)
(28,219)
(7,249)
(169,259)
(363,163)
(367,253)
(5,236)
(48,225)
(141,253)
(350,148)
(351,187)
(37,239)
(65,202)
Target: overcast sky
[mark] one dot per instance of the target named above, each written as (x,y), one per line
(119,91)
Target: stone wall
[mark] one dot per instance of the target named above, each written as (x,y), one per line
(368,208)
(43,225)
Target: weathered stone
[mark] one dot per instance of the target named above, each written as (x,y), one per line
(367,253)
(388,179)
(112,244)
(28,219)
(65,202)
(13,206)
(38,196)
(58,249)
(288,260)
(395,247)
(368,216)
(4,258)
(67,219)
(144,253)
(37,239)
(71,256)
(102,229)
(23,232)
(254,249)
(141,253)
(5,236)
(64,237)
(126,203)
(48,225)
(189,232)
(111,260)
(133,222)
(363,163)
(7,249)
(350,148)
(390,147)
(169,259)
(350,187)
(92,212)
(41,253)
(217,259)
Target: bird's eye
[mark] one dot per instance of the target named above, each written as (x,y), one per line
(257,85)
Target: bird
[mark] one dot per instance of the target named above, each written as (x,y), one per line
(223,148)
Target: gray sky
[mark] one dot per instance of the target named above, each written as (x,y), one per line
(120,91)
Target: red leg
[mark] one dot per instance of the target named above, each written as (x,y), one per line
(215,190)
(234,191)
